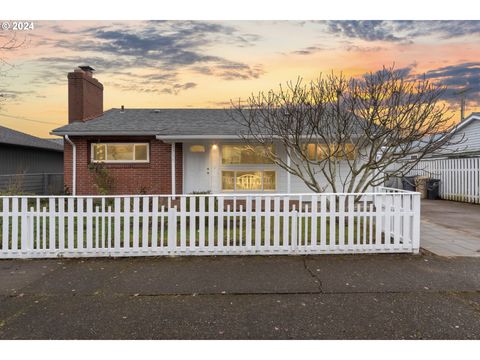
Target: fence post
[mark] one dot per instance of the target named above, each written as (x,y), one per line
(294,230)
(172,228)
(379,211)
(24,225)
(5,223)
(51,223)
(416,223)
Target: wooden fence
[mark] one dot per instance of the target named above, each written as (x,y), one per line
(39,184)
(83,226)
(459,178)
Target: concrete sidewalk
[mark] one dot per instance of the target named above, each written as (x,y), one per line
(450,228)
(284,297)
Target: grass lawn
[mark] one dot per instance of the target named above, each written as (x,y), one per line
(103,231)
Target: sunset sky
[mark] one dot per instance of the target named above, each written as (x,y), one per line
(174,64)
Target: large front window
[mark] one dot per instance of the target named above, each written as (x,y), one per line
(247,168)
(120,152)
(248,180)
(245,154)
(317,152)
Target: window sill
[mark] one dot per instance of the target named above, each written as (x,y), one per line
(125,165)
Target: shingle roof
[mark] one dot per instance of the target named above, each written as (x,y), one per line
(166,122)
(13,137)
(58,141)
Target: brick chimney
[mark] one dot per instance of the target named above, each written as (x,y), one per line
(85,95)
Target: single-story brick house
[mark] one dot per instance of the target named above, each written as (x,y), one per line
(161,151)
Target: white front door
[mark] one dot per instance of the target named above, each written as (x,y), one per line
(197,169)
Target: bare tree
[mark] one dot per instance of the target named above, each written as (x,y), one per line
(8,43)
(343,134)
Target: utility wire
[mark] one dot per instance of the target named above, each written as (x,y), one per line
(27,119)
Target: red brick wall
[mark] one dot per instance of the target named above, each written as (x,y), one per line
(129,179)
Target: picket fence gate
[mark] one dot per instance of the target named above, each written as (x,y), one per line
(387,220)
(459,178)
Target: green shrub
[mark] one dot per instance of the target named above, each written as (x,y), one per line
(103,180)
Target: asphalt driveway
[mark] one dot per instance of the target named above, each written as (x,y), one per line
(284,297)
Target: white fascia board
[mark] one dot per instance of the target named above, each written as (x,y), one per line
(208,137)
(103,133)
(196,137)
(465,123)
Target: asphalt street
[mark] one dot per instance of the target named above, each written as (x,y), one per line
(250,297)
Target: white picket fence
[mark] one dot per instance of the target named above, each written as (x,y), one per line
(459,178)
(86,226)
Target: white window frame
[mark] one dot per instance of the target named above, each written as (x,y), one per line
(316,158)
(246,167)
(245,164)
(247,170)
(120,161)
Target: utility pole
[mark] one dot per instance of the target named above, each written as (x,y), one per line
(462,101)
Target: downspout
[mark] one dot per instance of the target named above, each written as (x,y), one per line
(74,165)
(174,169)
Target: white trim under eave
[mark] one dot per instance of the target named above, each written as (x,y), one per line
(169,138)
(104,133)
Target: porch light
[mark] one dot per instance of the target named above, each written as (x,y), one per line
(197,148)
(214,147)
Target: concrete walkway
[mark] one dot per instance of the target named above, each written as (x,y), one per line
(450,228)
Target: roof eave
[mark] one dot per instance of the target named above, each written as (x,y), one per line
(465,122)
(103,133)
(217,137)
(197,137)
(33,146)
(142,133)
(157,136)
